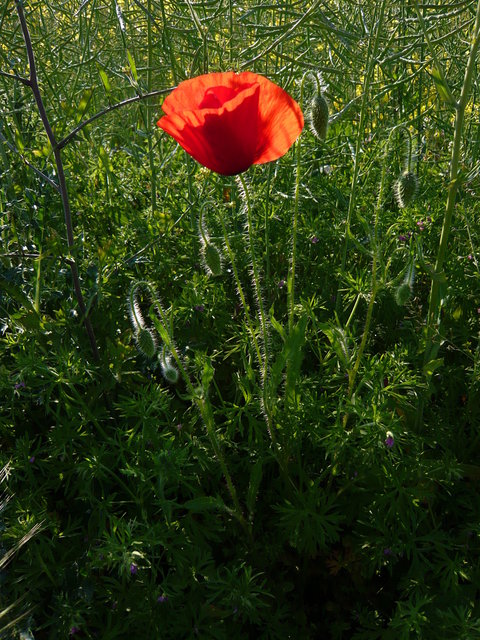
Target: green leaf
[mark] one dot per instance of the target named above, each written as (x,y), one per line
(83,104)
(17,295)
(207,374)
(132,65)
(276,325)
(338,340)
(294,344)
(105,81)
(432,366)
(291,357)
(442,87)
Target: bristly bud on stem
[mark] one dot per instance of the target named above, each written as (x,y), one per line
(144,337)
(402,294)
(405,189)
(212,257)
(169,371)
(146,342)
(404,291)
(319,116)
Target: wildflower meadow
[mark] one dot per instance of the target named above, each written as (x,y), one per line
(239,320)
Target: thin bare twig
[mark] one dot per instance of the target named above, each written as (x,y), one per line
(62,185)
(112,107)
(14,76)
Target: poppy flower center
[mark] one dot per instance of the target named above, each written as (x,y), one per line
(216,97)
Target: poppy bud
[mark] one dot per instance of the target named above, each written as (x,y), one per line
(169,371)
(405,189)
(319,116)
(402,294)
(213,259)
(146,342)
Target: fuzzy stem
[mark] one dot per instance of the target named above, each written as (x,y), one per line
(251,329)
(256,275)
(201,401)
(200,224)
(291,277)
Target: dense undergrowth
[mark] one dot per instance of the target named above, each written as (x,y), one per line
(181,493)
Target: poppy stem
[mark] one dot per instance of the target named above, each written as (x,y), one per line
(200,399)
(255,272)
(251,329)
(291,277)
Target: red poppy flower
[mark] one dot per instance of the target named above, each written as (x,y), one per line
(229,121)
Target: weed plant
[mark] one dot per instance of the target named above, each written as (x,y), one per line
(240,407)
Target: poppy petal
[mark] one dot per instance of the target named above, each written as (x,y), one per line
(229,121)
(223,140)
(281,122)
(189,94)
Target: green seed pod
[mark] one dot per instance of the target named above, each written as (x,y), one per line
(405,189)
(402,294)
(146,342)
(213,259)
(319,116)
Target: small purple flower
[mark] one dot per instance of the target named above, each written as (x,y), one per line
(387,551)
(20,385)
(402,238)
(199,307)
(162,599)
(133,569)
(469,257)
(74,630)
(179,427)
(389,440)
(315,240)
(281,284)
(31,459)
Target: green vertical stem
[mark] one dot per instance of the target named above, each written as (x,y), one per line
(201,401)
(433,317)
(371,61)
(293,262)
(150,127)
(267,224)
(352,374)
(255,272)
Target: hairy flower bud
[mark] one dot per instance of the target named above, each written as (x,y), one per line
(146,342)
(213,259)
(402,294)
(405,189)
(169,371)
(319,116)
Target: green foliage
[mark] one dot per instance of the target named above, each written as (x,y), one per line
(211,473)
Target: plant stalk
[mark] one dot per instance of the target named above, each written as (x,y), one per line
(33,83)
